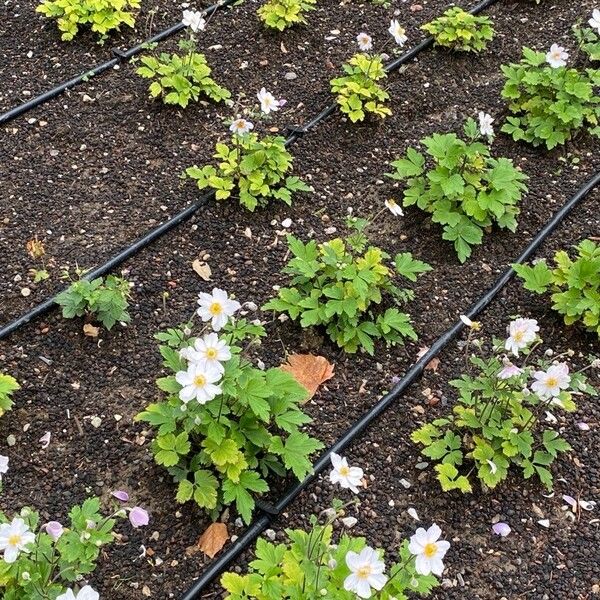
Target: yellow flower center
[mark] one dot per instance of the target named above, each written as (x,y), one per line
(551,382)
(215,308)
(211,353)
(430,550)
(199,380)
(344,471)
(240,124)
(14,540)
(518,336)
(364,572)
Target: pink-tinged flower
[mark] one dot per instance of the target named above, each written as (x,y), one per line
(121,495)
(501,529)
(509,370)
(557,56)
(268,103)
(550,383)
(366,572)
(429,550)
(54,529)
(216,307)
(348,477)
(521,333)
(45,440)
(364,41)
(138,517)
(241,126)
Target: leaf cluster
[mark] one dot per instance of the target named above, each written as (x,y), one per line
(574,284)
(588,40)
(177,79)
(106,299)
(309,565)
(550,105)
(358,92)
(221,452)
(281,14)
(495,425)
(255,168)
(53,565)
(103,16)
(340,285)
(460,30)
(8,385)
(463,188)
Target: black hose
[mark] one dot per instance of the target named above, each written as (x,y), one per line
(216,567)
(295,134)
(97,70)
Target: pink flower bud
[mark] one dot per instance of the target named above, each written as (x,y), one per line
(54,529)
(138,517)
(121,495)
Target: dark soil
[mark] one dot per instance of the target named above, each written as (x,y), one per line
(101,172)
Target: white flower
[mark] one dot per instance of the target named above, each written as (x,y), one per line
(364,41)
(521,332)
(194,20)
(397,32)
(208,352)
(14,537)
(267,101)
(240,126)
(493,466)
(347,477)
(198,383)
(3,465)
(366,572)
(557,57)
(549,383)
(85,593)
(509,370)
(217,308)
(429,550)
(595,20)
(394,207)
(485,124)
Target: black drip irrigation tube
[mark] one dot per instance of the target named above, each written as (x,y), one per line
(271,511)
(120,56)
(294,134)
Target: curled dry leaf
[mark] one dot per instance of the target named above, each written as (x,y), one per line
(213,539)
(91,330)
(202,269)
(433,364)
(309,371)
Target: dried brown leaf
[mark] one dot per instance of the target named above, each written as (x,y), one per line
(309,371)
(91,330)
(213,539)
(433,364)
(202,269)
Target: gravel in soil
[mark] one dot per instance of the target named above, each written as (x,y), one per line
(64,373)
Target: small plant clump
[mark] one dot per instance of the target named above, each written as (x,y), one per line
(104,299)
(340,285)
(465,190)
(225,425)
(256,168)
(549,101)
(8,385)
(179,79)
(574,284)
(49,561)
(281,14)
(358,93)
(103,16)
(501,415)
(460,30)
